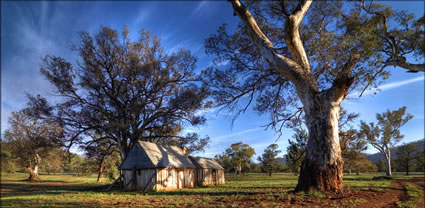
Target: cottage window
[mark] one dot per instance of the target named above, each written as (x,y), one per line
(169,173)
(139,172)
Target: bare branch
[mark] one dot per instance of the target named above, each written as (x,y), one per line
(401,62)
(292,70)
(293,38)
(344,79)
(372,79)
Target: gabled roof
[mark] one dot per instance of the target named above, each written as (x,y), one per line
(151,155)
(205,163)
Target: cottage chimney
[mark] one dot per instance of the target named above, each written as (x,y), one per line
(185,151)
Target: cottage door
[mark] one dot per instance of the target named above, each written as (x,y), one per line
(180,179)
(214,176)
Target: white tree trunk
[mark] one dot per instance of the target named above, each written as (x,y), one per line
(101,168)
(388,165)
(34,175)
(322,168)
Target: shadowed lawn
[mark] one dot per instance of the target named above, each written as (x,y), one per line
(252,190)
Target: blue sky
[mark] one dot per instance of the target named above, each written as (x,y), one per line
(31,30)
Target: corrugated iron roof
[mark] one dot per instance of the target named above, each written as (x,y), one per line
(151,155)
(205,163)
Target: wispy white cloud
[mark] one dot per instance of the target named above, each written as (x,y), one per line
(200,6)
(143,15)
(388,86)
(223,63)
(33,38)
(236,134)
(401,83)
(206,111)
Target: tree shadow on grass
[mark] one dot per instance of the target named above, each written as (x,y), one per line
(37,188)
(13,202)
(203,193)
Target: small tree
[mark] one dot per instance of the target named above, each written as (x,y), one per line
(296,150)
(386,134)
(6,165)
(53,161)
(224,161)
(365,166)
(269,158)
(99,151)
(31,137)
(112,163)
(240,155)
(406,157)
(352,154)
(420,161)
(256,168)
(380,164)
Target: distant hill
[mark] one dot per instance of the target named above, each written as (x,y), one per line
(282,160)
(420,144)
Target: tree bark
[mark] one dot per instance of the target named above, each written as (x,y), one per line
(101,168)
(322,168)
(270,173)
(124,150)
(238,170)
(400,62)
(407,163)
(34,176)
(388,165)
(407,168)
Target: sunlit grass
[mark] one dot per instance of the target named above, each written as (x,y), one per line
(257,190)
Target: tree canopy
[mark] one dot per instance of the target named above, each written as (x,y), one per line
(269,158)
(240,156)
(330,35)
(406,157)
(293,57)
(31,137)
(386,133)
(126,91)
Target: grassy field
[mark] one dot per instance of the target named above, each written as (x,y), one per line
(253,190)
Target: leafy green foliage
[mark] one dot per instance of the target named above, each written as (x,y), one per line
(7,160)
(296,150)
(225,162)
(406,157)
(238,157)
(420,160)
(354,159)
(380,164)
(53,161)
(111,166)
(269,158)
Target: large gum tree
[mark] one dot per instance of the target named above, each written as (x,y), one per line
(126,91)
(299,58)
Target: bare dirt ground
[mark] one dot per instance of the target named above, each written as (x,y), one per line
(392,196)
